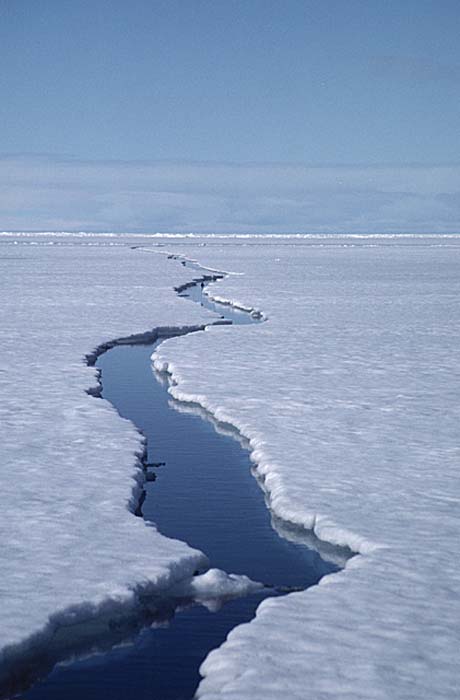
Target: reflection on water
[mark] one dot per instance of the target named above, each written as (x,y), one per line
(162,662)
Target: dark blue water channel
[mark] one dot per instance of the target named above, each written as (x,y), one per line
(205,494)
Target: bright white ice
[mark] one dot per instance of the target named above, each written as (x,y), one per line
(349,394)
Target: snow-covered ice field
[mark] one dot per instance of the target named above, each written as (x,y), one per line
(349,394)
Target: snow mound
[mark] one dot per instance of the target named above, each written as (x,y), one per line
(215,586)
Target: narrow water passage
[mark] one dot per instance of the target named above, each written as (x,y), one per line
(204,493)
(226,311)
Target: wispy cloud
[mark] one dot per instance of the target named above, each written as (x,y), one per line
(47,193)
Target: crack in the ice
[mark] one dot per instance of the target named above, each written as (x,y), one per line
(113,623)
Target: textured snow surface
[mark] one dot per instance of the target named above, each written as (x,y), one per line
(349,394)
(68,466)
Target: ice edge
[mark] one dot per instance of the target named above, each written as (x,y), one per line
(322,527)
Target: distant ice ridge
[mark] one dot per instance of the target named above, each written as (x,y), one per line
(236,236)
(69,474)
(349,395)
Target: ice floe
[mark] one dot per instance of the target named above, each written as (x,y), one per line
(349,394)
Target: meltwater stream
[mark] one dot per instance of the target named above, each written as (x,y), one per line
(202,491)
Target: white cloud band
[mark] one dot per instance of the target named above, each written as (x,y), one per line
(48,193)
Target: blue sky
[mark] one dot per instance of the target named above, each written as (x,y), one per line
(256,88)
